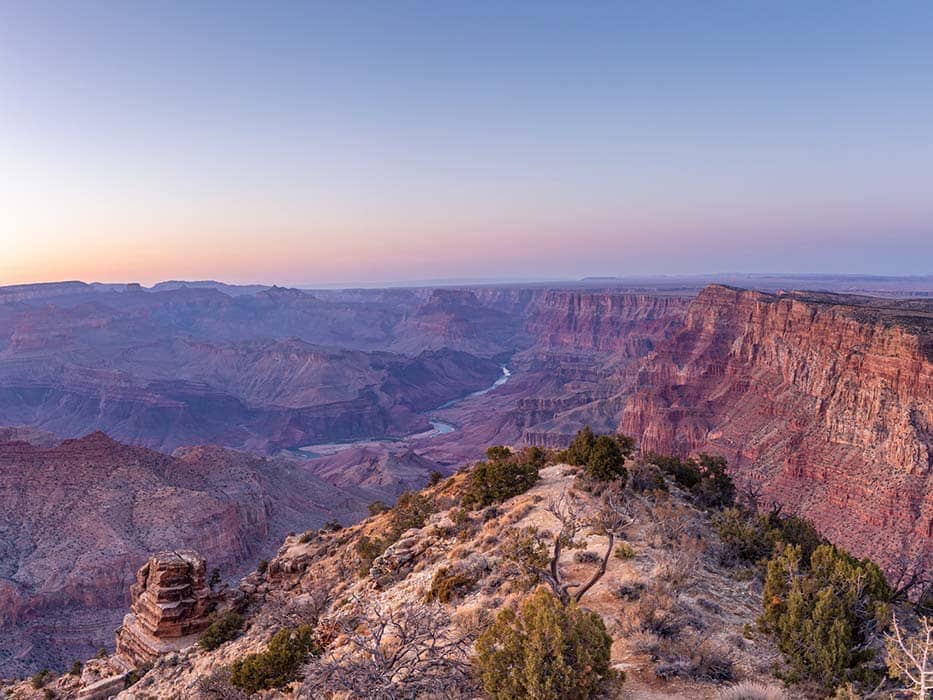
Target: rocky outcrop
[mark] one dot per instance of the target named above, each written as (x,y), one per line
(79,518)
(171,604)
(824,401)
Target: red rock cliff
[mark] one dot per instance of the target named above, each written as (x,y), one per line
(828,405)
(604,321)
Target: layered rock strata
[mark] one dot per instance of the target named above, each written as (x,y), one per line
(823,402)
(171,603)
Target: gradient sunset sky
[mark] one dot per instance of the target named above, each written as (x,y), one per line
(327,142)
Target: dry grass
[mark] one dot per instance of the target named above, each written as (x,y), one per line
(748,690)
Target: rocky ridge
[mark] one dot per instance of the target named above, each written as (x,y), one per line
(78,518)
(314,578)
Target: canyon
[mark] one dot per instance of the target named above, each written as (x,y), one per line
(79,517)
(822,403)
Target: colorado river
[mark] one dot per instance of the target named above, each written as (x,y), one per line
(437,427)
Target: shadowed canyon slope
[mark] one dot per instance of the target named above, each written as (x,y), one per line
(275,369)
(77,518)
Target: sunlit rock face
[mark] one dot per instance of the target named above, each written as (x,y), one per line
(823,401)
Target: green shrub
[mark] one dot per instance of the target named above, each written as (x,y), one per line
(447,584)
(377,507)
(751,538)
(625,551)
(716,488)
(533,455)
(136,675)
(367,549)
(605,461)
(332,525)
(76,668)
(497,481)
(434,478)
(579,451)
(278,665)
(705,478)
(685,473)
(41,678)
(411,510)
(498,453)
(222,629)
(547,652)
(824,613)
(646,477)
(215,578)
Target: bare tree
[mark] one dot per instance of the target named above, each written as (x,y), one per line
(390,654)
(910,579)
(610,518)
(910,658)
(303,609)
(749,495)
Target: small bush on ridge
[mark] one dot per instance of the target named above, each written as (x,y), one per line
(221,630)
(278,665)
(547,650)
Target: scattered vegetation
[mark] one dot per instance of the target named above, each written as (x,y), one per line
(502,476)
(447,584)
(278,665)
(222,629)
(410,511)
(261,566)
(704,478)
(602,457)
(134,676)
(41,678)
(752,538)
(697,658)
(367,549)
(76,668)
(645,478)
(825,612)
(624,551)
(547,651)
(377,507)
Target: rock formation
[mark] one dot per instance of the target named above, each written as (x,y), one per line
(78,519)
(824,401)
(171,604)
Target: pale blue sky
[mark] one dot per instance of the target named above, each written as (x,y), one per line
(362,141)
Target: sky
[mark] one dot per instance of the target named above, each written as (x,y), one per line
(348,142)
